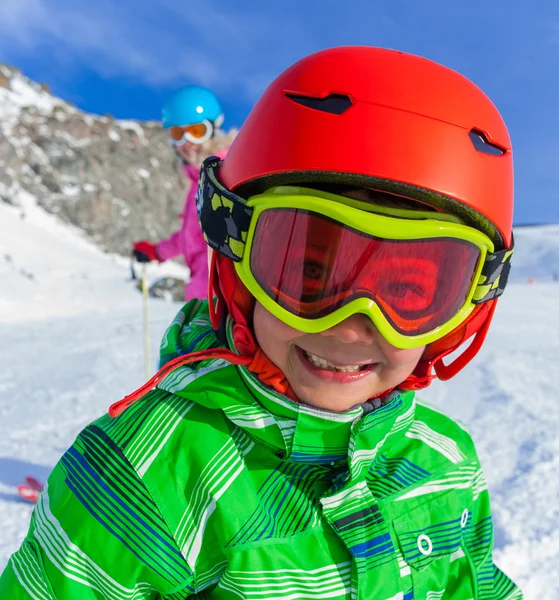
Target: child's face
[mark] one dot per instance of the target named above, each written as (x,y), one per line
(353,342)
(191,153)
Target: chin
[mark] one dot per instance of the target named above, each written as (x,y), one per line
(334,403)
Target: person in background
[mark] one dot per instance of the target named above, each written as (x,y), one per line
(192,116)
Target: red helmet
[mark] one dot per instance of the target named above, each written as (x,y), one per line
(382,119)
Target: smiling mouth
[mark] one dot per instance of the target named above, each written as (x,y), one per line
(322,363)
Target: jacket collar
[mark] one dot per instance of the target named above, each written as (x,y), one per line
(295,431)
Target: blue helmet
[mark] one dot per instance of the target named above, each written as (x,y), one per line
(190,104)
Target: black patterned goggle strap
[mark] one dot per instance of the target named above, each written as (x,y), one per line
(494,276)
(224,216)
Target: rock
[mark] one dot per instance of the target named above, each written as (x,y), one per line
(118,180)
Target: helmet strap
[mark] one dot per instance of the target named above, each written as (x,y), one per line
(432,367)
(445,372)
(216,300)
(229,296)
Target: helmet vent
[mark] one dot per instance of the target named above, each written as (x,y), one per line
(482,144)
(335,104)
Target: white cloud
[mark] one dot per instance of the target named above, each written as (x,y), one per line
(19,19)
(162,42)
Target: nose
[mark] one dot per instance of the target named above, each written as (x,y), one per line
(355,329)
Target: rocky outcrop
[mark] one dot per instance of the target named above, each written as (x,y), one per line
(117,180)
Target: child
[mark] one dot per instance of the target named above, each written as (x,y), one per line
(193,117)
(280,452)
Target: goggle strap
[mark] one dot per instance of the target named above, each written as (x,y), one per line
(494,276)
(224,216)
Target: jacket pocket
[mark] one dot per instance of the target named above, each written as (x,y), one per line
(430,538)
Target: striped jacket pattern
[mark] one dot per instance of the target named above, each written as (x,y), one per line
(214,486)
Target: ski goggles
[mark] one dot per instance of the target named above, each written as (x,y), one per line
(313,259)
(198,133)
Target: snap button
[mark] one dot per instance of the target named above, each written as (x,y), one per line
(464,519)
(424,544)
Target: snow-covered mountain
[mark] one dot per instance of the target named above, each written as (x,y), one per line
(116,179)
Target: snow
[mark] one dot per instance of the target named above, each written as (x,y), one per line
(143,173)
(132,126)
(72,141)
(23,93)
(114,135)
(536,253)
(29,96)
(72,344)
(71,275)
(508,399)
(71,191)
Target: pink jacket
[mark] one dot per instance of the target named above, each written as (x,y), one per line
(189,242)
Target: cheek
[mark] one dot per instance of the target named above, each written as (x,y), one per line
(269,330)
(398,358)
(187,150)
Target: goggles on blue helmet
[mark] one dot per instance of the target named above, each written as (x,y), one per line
(197,133)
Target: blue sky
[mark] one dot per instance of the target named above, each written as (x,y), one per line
(123,57)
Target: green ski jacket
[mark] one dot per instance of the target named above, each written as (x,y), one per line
(214,486)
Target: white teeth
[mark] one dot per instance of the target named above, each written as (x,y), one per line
(322,363)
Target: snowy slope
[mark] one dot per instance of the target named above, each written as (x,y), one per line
(24,93)
(509,401)
(71,344)
(536,253)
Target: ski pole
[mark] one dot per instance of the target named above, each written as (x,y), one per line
(132,271)
(147,357)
